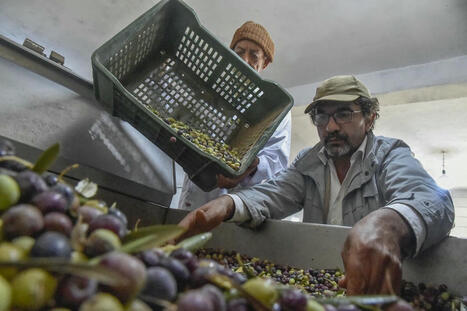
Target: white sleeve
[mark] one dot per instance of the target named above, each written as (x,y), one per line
(274,156)
(241,213)
(414,220)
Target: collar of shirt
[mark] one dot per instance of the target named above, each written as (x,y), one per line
(359,152)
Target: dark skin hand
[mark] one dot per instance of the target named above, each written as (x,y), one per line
(208,216)
(228,183)
(373,253)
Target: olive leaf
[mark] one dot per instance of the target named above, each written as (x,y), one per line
(86,188)
(195,242)
(103,275)
(166,232)
(46,159)
(141,244)
(150,237)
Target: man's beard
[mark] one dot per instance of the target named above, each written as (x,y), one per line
(336,151)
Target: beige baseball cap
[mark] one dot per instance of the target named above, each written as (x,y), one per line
(339,88)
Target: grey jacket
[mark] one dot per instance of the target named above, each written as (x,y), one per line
(389,174)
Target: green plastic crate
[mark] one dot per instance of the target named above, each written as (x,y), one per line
(168,61)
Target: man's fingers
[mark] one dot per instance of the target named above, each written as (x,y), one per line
(343,282)
(392,280)
(356,285)
(376,273)
(187,221)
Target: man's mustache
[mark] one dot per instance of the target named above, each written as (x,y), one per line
(335,136)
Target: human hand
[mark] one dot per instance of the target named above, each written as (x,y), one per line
(228,183)
(207,217)
(372,253)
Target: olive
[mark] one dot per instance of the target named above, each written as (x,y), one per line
(100,242)
(30,184)
(262,289)
(23,219)
(50,201)
(24,242)
(195,300)
(10,252)
(5,294)
(9,192)
(160,283)
(137,305)
(129,267)
(102,302)
(52,244)
(32,289)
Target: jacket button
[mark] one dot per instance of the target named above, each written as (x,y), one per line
(367,173)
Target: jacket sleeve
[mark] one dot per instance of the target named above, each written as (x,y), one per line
(274,156)
(276,198)
(402,179)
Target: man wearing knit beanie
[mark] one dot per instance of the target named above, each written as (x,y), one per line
(254,45)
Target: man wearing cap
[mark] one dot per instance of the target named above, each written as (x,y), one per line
(254,45)
(351,178)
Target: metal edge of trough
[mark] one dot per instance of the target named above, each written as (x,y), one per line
(307,245)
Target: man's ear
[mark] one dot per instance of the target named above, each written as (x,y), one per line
(369,122)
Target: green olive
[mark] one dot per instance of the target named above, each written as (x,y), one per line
(33,289)
(262,289)
(5,295)
(9,192)
(101,302)
(10,252)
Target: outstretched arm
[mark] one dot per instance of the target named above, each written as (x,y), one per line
(208,216)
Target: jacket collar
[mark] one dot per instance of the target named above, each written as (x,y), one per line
(308,162)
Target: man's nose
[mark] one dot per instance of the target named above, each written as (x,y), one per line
(247,59)
(332,125)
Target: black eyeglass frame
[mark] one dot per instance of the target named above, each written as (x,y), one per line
(338,120)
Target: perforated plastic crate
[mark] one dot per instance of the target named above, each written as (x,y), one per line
(167,61)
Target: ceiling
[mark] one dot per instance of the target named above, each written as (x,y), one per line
(316,39)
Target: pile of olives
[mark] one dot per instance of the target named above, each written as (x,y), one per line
(204,142)
(430,297)
(44,218)
(317,282)
(324,282)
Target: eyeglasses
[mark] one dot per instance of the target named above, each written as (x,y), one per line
(340,117)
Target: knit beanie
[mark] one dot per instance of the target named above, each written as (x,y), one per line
(256,33)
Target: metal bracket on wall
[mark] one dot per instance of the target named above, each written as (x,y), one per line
(31,57)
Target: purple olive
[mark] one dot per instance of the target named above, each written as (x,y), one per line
(50,201)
